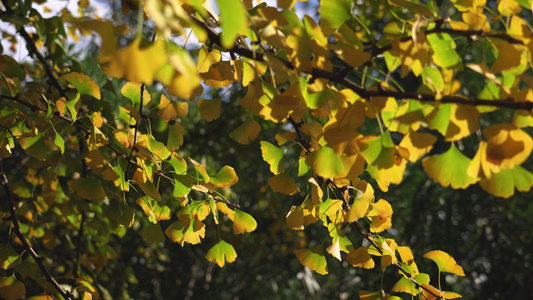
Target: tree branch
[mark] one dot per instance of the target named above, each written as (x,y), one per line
(18,232)
(341,79)
(137,124)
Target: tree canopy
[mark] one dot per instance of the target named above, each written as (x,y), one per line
(236,148)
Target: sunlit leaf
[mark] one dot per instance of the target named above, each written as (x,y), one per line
(84,286)
(273,156)
(314,259)
(360,258)
(360,206)
(233,21)
(9,258)
(381,295)
(504,183)
(221,253)
(226,177)
(243,222)
(283,183)
(83,83)
(445,262)
(449,168)
(381,216)
(325,162)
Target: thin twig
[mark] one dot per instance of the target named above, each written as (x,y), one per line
(137,125)
(18,232)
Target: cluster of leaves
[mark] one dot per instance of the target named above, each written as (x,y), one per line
(100,154)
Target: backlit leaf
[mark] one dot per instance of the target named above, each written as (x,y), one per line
(325,162)
(226,177)
(209,108)
(381,295)
(283,183)
(360,258)
(247,132)
(273,156)
(11,288)
(243,222)
(233,20)
(84,286)
(314,259)
(9,258)
(359,208)
(449,168)
(503,184)
(83,83)
(334,13)
(445,262)
(221,253)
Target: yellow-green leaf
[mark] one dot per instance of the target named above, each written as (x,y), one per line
(325,162)
(247,132)
(273,156)
(226,177)
(83,83)
(221,253)
(445,262)
(84,286)
(243,222)
(503,184)
(360,258)
(449,168)
(314,259)
(233,20)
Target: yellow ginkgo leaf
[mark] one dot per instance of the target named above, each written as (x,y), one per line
(445,262)
(170,110)
(283,183)
(295,218)
(381,216)
(418,144)
(449,168)
(508,146)
(360,206)
(247,132)
(360,258)
(503,184)
(209,108)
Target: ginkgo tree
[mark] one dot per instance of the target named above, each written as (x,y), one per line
(354,103)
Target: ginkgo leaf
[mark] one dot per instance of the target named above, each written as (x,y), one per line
(334,249)
(247,132)
(226,177)
(283,183)
(88,188)
(361,203)
(207,58)
(325,162)
(381,295)
(443,47)
(149,190)
(381,216)
(153,234)
(454,121)
(445,262)
(127,217)
(360,258)
(182,185)
(273,156)
(42,296)
(404,285)
(153,209)
(132,91)
(170,110)
(449,168)
(418,144)
(11,288)
(295,218)
(175,136)
(190,232)
(313,258)
(233,20)
(508,146)
(503,184)
(413,7)
(221,253)
(83,83)
(330,208)
(510,57)
(334,13)
(209,108)
(243,222)
(84,286)
(9,258)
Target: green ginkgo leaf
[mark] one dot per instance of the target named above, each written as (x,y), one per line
(313,258)
(503,184)
(449,168)
(325,162)
(221,253)
(233,20)
(273,156)
(334,13)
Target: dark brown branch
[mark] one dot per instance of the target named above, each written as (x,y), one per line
(341,79)
(18,232)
